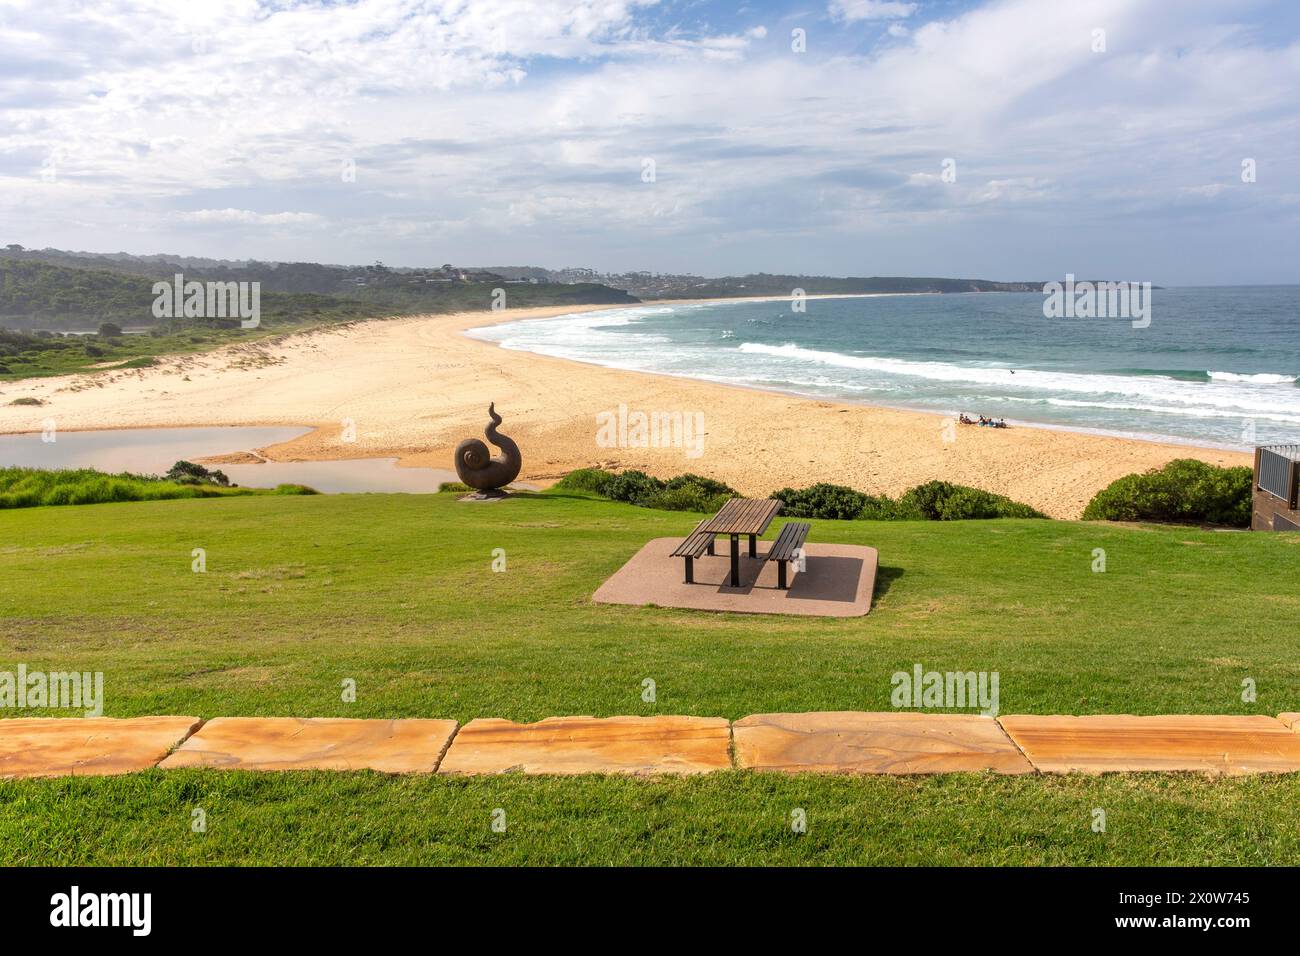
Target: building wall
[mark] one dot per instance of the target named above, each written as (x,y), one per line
(1265,506)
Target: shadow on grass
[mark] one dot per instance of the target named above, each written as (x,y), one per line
(885,577)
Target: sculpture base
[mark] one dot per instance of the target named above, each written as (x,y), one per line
(494,494)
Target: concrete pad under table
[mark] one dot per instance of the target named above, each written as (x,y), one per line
(1101,743)
(316,743)
(899,742)
(571,745)
(838,581)
(87,746)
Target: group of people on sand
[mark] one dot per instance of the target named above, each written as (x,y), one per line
(982,421)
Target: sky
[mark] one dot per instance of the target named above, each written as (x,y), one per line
(1148,140)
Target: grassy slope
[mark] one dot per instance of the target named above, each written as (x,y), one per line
(398,593)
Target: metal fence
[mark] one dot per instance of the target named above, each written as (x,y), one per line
(1279,466)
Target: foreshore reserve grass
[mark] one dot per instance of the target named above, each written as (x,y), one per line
(397,592)
(733,818)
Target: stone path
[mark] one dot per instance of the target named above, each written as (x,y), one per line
(894,742)
(316,743)
(1232,745)
(899,742)
(568,745)
(87,746)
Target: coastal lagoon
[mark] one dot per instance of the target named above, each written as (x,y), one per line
(152,451)
(1216,366)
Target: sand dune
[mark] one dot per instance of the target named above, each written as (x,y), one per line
(413,387)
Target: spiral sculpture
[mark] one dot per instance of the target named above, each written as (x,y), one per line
(474,462)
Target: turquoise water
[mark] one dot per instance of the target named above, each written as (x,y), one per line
(1215,366)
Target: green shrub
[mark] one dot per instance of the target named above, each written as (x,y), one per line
(188,473)
(20,499)
(690,492)
(688,497)
(27,400)
(1183,491)
(454,487)
(592,480)
(634,487)
(686,492)
(822,500)
(294,489)
(933,501)
(706,485)
(32,487)
(944,501)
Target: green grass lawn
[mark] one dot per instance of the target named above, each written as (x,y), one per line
(398,593)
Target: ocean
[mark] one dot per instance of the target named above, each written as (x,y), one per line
(1215,366)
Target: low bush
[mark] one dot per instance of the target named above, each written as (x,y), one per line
(32,487)
(592,480)
(689,497)
(295,489)
(944,501)
(1185,491)
(188,473)
(634,487)
(933,501)
(686,492)
(822,501)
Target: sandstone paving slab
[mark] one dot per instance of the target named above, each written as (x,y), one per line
(1102,743)
(1291,720)
(87,746)
(571,745)
(316,743)
(838,581)
(899,742)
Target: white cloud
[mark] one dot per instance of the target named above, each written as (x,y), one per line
(248,217)
(501,129)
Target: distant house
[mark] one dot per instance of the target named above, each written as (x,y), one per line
(1276,499)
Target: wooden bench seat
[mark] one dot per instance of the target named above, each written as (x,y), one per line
(784,549)
(696,544)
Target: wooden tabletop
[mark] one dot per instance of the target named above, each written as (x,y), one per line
(743,516)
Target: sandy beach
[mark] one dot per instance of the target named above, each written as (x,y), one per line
(414,387)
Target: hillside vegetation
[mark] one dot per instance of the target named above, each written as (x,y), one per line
(35,295)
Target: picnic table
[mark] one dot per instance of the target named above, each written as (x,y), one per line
(739,516)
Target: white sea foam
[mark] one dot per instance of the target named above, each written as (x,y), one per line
(1234,398)
(1261,378)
